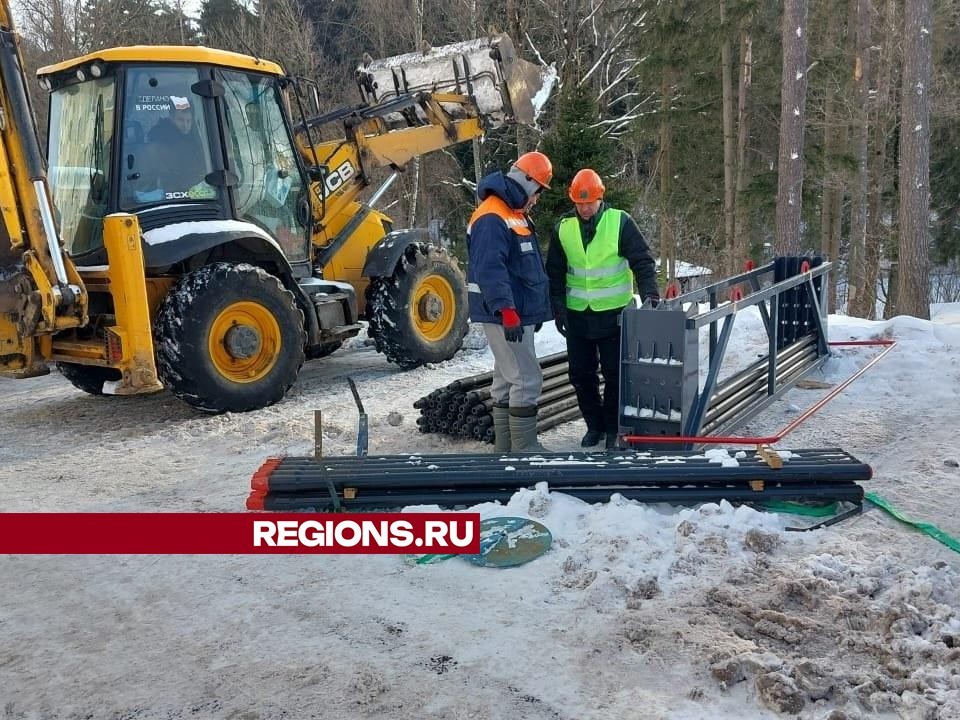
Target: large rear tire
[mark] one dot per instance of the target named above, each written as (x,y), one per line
(419,314)
(230,338)
(89,378)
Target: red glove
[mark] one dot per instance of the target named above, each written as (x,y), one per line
(512,329)
(510,318)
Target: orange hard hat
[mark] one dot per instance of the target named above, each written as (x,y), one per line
(586,187)
(537,167)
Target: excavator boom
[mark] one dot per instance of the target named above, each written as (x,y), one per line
(40,290)
(414,104)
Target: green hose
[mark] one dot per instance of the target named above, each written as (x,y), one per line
(924,527)
(823,510)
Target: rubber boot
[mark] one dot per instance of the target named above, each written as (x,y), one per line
(523,430)
(501,429)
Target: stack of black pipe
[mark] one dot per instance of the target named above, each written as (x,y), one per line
(463,408)
(386,481)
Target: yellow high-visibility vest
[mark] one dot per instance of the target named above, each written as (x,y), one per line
(597,277)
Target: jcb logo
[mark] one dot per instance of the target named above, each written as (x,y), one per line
(338,177)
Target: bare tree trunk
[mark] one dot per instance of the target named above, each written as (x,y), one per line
(180,21)
(743,137)
(877,233)
(792,113)
(668,254)
(832,144)
(729,145)
(477,160)
(861,298)
(415,165)
(891,308)
(514,30)
(477,145)
(913,296)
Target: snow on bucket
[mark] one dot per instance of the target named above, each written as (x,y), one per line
(505,87)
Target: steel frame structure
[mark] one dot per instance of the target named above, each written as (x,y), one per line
(660,385)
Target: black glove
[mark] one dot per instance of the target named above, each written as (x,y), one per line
(654,300)
(512,325)
(513,334)
(538,327)
(560,319)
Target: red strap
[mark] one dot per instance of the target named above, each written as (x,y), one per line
(510,318)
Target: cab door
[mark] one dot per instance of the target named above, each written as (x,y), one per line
(269,189)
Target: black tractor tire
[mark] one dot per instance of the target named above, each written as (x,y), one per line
(229,338)
(89,378)
(419,314)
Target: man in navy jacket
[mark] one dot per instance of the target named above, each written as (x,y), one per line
(510,294)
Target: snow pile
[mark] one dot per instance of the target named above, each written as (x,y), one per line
(871,638)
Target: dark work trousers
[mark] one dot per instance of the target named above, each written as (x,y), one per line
(584,354)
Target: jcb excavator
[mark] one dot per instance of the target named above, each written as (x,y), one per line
(210,238)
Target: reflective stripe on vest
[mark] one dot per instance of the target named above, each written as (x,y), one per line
(515,220)
(597,277)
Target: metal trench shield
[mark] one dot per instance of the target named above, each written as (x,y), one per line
(510,541)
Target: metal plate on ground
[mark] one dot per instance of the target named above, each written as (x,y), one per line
(510,541)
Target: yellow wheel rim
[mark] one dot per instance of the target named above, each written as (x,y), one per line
(244,342)
(433,308)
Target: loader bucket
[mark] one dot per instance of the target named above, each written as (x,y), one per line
(505,88)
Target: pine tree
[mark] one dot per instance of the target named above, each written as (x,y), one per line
(575,142)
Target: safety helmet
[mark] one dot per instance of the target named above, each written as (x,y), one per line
(586,187)
(536,166)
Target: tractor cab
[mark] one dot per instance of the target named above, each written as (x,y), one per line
(175,136)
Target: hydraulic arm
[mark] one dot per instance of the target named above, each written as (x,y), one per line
(40,290)
(412,105)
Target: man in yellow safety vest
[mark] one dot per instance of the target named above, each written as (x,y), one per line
(594,256)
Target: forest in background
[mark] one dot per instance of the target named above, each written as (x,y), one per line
(731,129)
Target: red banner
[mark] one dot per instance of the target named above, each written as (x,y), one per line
(238,533)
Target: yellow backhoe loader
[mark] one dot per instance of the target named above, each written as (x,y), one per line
(211,232)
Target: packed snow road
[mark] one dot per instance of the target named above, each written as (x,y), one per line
(637,612)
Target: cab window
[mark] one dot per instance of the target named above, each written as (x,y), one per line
(79,145)
(165,150)
(269,190)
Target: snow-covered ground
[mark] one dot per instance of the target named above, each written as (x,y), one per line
(637,612)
